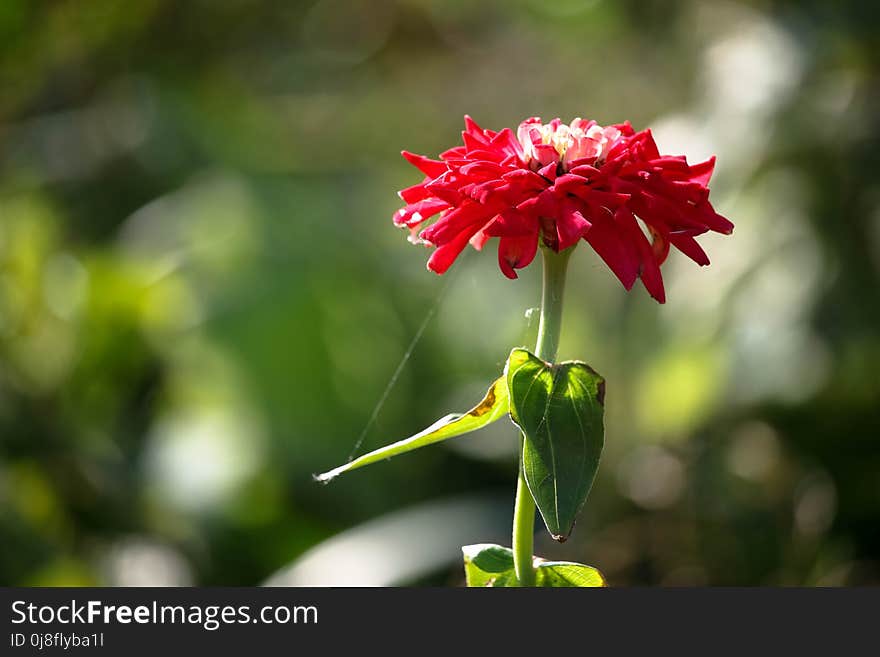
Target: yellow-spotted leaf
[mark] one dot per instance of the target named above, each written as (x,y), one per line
(493,406)
(560,574)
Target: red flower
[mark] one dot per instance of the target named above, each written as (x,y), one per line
(561,183)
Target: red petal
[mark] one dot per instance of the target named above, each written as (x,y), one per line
(648,144)
(702,171)
(545,204)
(568,182)
(471,126)
(415,193)
(649,268)
(455,151)
(445,255)
(659,243)
(416,213)
(606,239)
(657,209)
(712,219)
(478,241)
(482,169)
(473,141)
(570,226)
(464,218)
(689,246)
(511,223)
(527,180)
(516,253)
(584,170)
(507,142)
(625,128)
(431,168)
(549,168)
(444,191)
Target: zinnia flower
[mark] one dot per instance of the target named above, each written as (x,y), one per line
(559,184)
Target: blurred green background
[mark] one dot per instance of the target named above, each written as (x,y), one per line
(202,296)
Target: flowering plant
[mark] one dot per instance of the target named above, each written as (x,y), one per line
(550,186)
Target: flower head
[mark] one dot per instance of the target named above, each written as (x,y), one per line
(557,184)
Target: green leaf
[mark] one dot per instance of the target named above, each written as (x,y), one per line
(559,574)
(493,406)
(488,565)
(559,409)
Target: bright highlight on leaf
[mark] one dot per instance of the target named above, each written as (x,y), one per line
(559,409)
(493,406)
(488,565)
(567,573)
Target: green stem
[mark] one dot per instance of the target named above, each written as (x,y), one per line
(523,532)
(555,265)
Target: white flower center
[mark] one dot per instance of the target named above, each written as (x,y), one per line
(567,143)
